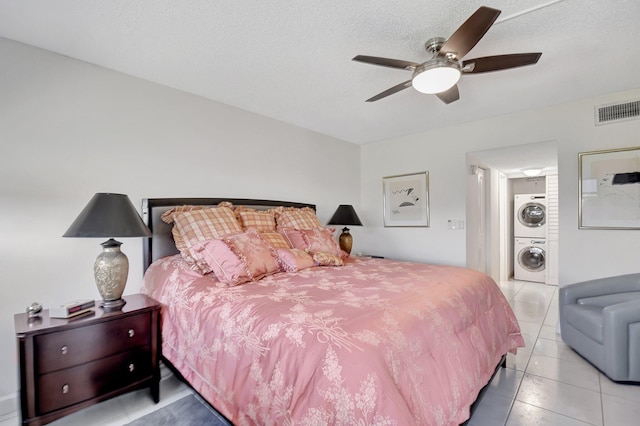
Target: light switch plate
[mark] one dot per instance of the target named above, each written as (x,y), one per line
(455,225)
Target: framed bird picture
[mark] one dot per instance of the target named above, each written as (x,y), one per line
(406,200)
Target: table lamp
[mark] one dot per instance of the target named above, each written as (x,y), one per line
(345,215)
(109,215)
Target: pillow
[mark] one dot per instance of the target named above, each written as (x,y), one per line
(293,260)
(313,240)
(261,220)
(304,218)
(167,216)
(275,240)
(238,258)
(194,226)
(327,259)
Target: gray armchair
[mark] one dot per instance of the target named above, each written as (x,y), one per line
(600,319)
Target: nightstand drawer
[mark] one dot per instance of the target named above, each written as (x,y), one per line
(55,351)
(67,387)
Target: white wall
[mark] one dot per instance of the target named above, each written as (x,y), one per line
(584,254)
(69,129)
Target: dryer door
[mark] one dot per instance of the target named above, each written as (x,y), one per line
(532,215)
(532,259)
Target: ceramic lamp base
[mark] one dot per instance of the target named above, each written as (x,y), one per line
(111,271)
(346,240)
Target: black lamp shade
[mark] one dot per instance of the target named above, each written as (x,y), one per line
(345,215)
(108,215)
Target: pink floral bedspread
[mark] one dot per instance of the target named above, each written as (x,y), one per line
(375,342)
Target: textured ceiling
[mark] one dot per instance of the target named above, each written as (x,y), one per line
(291,60)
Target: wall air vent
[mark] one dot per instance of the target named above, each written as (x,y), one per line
(614,113)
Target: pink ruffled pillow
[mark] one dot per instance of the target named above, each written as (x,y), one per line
(238,258)
(313,240)
(293,260)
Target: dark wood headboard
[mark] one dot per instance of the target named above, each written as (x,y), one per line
(161,244)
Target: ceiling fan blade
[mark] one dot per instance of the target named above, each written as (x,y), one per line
(386,62)
(470,32)
(391,91)
(450,95)
(500,62)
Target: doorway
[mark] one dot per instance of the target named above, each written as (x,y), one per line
(490,235)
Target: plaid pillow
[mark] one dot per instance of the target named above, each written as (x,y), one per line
(261,220)
(327,259)
(167,217)
(304,218)
(275,240)
(194,226)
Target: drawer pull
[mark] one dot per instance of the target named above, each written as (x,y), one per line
(131,333)
(64,350)
(131,367)
(65,388)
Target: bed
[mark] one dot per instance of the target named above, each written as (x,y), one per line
(373,341)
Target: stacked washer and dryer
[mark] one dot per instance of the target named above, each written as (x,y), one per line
(530,231)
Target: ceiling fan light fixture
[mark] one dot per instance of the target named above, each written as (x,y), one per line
(436,76)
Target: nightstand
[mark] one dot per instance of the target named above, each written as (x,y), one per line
(70,364)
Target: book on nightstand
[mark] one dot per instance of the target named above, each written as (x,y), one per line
(72,309)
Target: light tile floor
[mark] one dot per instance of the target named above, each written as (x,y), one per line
(545,384)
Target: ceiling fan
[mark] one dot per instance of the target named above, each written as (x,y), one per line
(440,74)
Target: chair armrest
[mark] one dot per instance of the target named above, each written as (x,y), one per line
(598,287)
(617,317)
(616,322)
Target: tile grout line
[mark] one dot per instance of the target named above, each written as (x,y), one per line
(526,367)
(513,401)
(559,414)
(601,400)
(524,373)
(555,291)
(546,378)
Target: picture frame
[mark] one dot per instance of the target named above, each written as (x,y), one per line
(406,200)
(609,186)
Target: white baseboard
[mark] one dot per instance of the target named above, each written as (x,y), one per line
(8,405)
